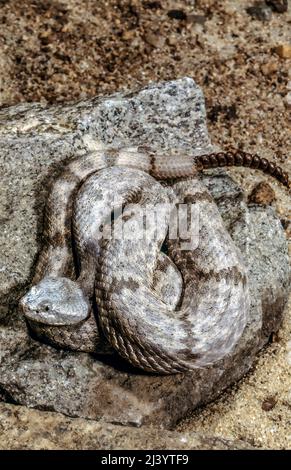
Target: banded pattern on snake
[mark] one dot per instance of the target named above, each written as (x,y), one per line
(164,313)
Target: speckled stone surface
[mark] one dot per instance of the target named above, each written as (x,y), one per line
(33,143)
(25,428)
(34,140)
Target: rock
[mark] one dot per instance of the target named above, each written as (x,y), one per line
(128,35)
(155,40)
(23,428)
(280,6)
(269,68)
(262,194)
(269,403)
(197,19)
(287,100)
(285,223)
(177,14)
(34,142)
(260,11)
(172,40)
(284,51)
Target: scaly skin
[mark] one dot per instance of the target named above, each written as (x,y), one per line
(151,327)
(215,303)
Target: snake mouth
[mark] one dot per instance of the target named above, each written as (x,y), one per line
(55,302)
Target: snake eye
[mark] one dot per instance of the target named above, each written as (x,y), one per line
(47,308)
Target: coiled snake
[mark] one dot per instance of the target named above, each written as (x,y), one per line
(164,308)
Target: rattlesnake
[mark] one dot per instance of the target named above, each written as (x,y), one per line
(163,312)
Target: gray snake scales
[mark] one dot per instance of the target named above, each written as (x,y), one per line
(165,310)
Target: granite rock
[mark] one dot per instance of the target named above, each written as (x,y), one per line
(34,142)
(23,428)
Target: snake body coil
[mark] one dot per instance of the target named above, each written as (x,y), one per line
(163,313)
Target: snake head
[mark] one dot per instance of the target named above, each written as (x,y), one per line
(55,301)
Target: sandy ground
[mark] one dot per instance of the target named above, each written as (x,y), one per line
(55,51)
(258,408)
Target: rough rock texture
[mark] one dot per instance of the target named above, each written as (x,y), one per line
(32,429)
(33,142)
(44,57)
(262,194)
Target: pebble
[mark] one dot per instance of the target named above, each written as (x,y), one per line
(172,40)
(269,403)
(285,223)
(177,14)
(262,194)
(260,11)
(269,68)
(198,19)
(155,40)
(279,6)
(284,51)
(128,35)
(287,100)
